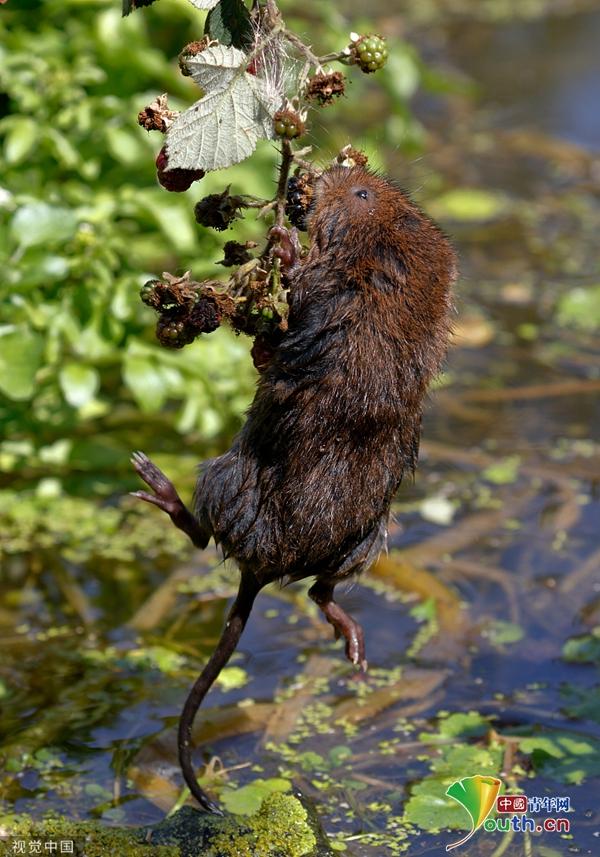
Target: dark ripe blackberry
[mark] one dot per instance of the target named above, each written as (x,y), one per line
(297,216)
(176,180)
(299,194)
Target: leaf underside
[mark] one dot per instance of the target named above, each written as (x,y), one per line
(224,127)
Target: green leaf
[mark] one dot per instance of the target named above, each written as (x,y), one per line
(66,153)
(469,204)
(231,678)
(20,358)
(566,757)
(155,657)
(78,383)
(123,145)
(229,22)
(247,799)
(459,724)
(20,139)
(38,223)
(176,224)
(501,633)
(580,308)
(429,807)
(224,127)
(582,703)
(584,649)
(145,383)
(504,471)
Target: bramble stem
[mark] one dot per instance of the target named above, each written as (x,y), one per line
(306,52)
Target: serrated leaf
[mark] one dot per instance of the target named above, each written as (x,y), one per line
(229,23)
(204,4)
(224,127)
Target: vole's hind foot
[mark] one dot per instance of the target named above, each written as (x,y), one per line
(343,624)
(166,498)
(289,248)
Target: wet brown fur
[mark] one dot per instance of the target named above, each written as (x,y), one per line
(306,488)
(307,485)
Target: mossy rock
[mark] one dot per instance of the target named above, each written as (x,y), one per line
(284,826)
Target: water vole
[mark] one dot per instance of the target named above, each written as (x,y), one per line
(306,488)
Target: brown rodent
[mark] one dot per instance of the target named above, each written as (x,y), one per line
(306,488)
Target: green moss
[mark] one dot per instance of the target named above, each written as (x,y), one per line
(279,829)
(99,840)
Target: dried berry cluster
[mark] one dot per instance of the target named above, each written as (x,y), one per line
(156,116)
(235,253)
(186,309)
(350,157)
(299,198)
(191,50)
(218,210)
(323,88)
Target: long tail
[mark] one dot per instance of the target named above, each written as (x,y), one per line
(236,622)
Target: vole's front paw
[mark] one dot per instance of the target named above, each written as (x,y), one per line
(289,246)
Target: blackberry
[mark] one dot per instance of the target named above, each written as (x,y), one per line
(149,293)
(299,195)
(172,334)
(369,52)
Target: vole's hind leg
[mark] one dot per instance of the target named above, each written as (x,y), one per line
(166,498)
(322,594)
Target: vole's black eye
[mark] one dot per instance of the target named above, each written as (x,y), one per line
(362,194)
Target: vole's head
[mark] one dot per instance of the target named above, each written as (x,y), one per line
(351,205)
(372,232)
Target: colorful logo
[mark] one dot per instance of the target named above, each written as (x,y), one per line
(477,795)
